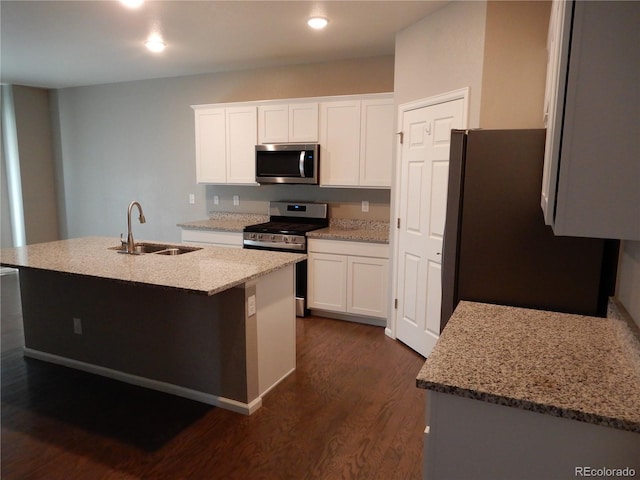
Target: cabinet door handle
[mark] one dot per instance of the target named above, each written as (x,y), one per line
(301,163)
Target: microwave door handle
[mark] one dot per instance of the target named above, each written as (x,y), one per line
(301,164)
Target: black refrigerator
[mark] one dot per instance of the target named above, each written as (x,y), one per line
(496,246)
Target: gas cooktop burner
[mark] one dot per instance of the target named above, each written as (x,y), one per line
(287,228)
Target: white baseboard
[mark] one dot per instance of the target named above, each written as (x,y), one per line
(376,322)
(262,394)
(217,401)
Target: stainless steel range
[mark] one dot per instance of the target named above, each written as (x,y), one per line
(286,231)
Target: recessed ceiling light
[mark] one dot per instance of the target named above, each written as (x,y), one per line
(317,23)
(155,44)
(132,3)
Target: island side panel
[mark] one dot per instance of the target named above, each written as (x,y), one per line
(468,438)
(276,327)
(194,341)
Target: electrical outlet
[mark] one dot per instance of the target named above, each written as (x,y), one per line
(365,205)
(77,326)
(192,199)
(236,200)
(216,200)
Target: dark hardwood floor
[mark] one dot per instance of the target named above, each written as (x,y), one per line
(350,411)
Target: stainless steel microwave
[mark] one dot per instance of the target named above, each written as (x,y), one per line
(288,163)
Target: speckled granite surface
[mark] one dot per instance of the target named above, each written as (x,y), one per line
(206,271)
(354,230)
(226,221)
(570,366)
(339,229)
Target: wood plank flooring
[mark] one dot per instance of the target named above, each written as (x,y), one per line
(350,411)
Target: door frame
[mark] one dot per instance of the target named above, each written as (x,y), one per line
(462,93)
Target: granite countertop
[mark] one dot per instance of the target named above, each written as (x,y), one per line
(570,366)
(354,230)
(207,271)
(226,221)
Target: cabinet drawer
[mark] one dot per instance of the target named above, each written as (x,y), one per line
(341,247)
(210,237)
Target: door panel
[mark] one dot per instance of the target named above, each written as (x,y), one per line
(414,190)
(439,182)
(411,267)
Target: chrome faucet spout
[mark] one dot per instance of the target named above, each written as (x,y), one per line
(130,243)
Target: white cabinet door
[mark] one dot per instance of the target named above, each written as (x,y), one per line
(303,122)
(241,143)
(327,282)
(376,149)
(340,143)
(288,123)
(225,145)
(367,286)
(211,164)
(273,123)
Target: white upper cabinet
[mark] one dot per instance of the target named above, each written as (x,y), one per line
(340,143)
(211,148)
(288,123)
(591,179)
(376,142)
(356,141)
(355,133)
(225,144)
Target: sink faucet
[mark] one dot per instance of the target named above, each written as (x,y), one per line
(130,243)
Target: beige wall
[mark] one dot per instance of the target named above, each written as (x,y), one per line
(33,125)
(515,64)
(443,52)
(628,285)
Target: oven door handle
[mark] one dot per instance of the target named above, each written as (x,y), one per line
(301,163)
(279,246)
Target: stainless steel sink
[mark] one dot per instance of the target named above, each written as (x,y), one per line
(157,248)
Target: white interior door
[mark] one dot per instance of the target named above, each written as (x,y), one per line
(424,171)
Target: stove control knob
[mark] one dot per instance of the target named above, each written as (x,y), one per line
(286,239)
(259,236)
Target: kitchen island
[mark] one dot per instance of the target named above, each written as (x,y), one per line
(215,325)
(515,393)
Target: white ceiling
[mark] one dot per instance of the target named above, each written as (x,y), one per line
(57,44)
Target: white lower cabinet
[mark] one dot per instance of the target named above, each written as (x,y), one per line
(367,286)
(212,238)
(327,283)
(348,277)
